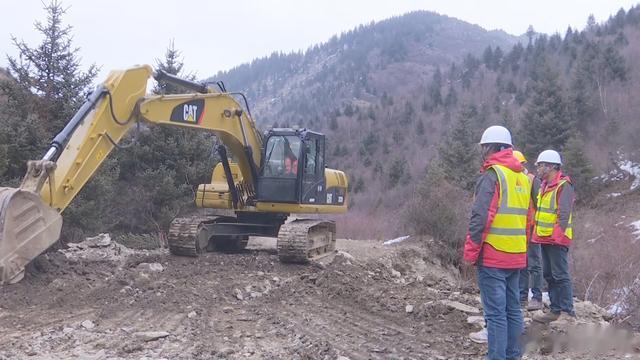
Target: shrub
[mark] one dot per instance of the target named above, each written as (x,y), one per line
(440,209)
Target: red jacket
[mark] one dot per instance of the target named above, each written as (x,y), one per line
(485,206)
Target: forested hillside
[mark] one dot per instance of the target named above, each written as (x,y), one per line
(396,96)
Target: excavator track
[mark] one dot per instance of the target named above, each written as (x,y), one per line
(183,236)
(305,240)
(186,237)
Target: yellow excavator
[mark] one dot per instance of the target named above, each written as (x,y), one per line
(263,180)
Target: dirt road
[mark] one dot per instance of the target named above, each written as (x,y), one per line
(370,302)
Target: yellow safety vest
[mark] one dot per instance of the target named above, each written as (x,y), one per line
(547,213)
(508,231)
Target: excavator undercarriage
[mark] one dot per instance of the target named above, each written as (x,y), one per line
(299,241)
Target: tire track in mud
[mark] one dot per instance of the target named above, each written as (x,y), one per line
(369,336)
(35,320)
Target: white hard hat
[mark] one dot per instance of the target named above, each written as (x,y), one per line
(496,135)
(549,156)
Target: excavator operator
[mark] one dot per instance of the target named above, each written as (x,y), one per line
(290,160)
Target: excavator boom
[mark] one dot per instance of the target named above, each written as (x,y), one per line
(30,220)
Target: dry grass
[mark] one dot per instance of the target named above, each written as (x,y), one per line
(605,255)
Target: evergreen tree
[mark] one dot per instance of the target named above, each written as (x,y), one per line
(52,70)
(598,67)
(591,23)
(419,128)
(397,172)
(435,89)
(487,57)
(22,133)
(581,98)
(531,33)
(452,98)
(459,152)
(166,165)
(497,58)
(545,124)
(49,88)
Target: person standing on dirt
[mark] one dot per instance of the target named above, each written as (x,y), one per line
(554,231)
(497,241)
(533,272)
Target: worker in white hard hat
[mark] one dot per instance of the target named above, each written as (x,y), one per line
(554,231)
(496,242)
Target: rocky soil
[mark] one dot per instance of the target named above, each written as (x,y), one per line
(101,300)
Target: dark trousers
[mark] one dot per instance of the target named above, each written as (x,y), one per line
(555,267)
(531,276)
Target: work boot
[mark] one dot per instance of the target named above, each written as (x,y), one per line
(563,320)
(534,304)
(546,318)
(480,337)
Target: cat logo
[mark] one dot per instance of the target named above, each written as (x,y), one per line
(190,112)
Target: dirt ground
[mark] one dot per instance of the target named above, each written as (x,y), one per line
(370,301)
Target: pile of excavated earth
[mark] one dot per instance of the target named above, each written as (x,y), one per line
(101,300)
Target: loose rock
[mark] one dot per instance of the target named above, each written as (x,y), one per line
(88,324)
(150,267)
(151,335)
(460,306)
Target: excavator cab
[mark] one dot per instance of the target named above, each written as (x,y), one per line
(292,170)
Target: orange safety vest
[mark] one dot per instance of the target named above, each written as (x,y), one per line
(291,166)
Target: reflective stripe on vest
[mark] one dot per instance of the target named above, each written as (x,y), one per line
(508,231)
(547,213)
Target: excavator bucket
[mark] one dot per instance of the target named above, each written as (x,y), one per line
(28,227)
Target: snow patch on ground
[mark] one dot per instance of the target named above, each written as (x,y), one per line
(623,294)
(626,169)
(396,240)
(636,226)
(633,169)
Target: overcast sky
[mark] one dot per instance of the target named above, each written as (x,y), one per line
(218,35)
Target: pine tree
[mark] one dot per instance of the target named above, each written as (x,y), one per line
(487,57)
(52,70)
(434,90)
(545,124)
(452,98)
(166,165)
(458,154)
(531,33)
(581,98)
(49,88)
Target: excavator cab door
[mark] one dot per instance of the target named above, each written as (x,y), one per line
(313,183)
(279,179)
(292,170)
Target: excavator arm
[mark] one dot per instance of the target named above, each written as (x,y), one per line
(30,220)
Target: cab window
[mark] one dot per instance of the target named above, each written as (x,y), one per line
(312,157)
(281,157)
